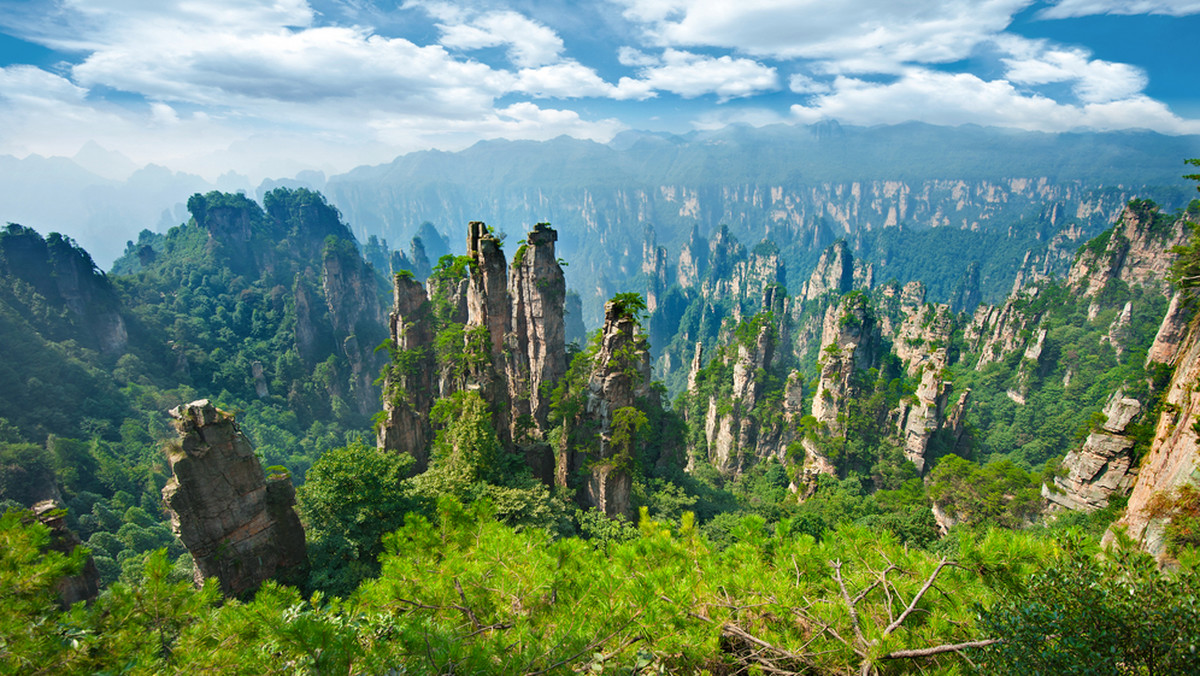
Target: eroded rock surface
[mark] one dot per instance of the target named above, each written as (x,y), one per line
(1103,465)
(620,375)
(239,525)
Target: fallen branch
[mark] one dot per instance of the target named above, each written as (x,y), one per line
(938,650)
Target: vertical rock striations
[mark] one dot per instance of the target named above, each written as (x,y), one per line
(849,344)
(620,376)
(409,381)
(482,326)
(238,525)
(1173,460)
(538,350)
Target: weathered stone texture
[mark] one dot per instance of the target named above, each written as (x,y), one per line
(239,526)
(1102,466)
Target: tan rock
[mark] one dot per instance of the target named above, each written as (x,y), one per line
(239,526)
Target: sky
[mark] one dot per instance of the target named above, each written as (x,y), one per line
(267,88)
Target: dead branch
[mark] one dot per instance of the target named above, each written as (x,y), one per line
(916,599)
(938,650)
(854,621)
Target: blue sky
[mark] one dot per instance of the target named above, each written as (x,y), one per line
(271,87)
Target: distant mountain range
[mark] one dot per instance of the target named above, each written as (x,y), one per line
(1004,192)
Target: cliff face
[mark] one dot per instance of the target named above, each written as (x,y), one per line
(483,327)
(733,434)
(834,273)
(849,344)
(538,354)
(238,525)
(410,384)
(620,375)
(1137,251)
(1103,465)
(54,272)
(1173,460)
(356,314)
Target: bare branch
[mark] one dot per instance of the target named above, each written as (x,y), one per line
(854,621)
(729,629)
(916,599)
(938,650)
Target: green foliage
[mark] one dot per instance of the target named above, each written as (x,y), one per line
(1084,614)
(352,496)
(629,305)
(998,493)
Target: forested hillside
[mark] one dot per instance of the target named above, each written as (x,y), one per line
(834,476)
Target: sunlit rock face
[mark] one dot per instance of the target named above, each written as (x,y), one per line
(513,317)
(410,386)
(620,376)
(1102,466)
(239,526)
(1174,456)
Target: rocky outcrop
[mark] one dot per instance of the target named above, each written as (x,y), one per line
(1102,466)
(849,344)
(620,376)
(732,433)
(537,352)
(1137,251)
(834,273)
(1171,331)
(654,268)
(352,301)
(68,282)
(1174,456)
(512,329)
(72,589)
(994,332)
(573,319)
(409,383)
(925,414)
(239,525)
(693,260)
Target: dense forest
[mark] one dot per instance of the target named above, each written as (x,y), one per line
(726,477)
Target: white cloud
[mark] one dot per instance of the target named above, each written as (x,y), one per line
(529,43)
(853,35)
(228,82)
(32,86)
(755,117)
(959,98)
(570,79)
(1066,9)
(1093,80)
(628,56)
(799,83)
(690,75)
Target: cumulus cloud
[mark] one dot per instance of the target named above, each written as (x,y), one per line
(237,73)
(1066,9)
(853,35)
(690,75)
(529,43)
(799,83)
(960,98)
(1035,62)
